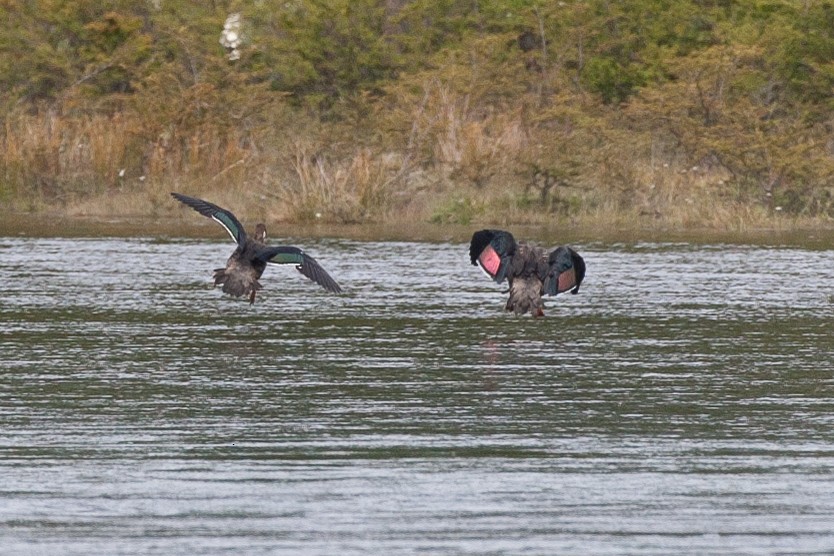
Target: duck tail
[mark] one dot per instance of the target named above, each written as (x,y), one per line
(236,284)
(525,297)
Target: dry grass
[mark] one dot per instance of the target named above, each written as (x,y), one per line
(457,165)
(471,148)
(351,190)
(47,160)
(460,143)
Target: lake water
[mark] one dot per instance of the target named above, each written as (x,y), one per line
(682,403)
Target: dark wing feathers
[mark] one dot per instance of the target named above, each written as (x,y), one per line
(304,263)
(310,268)
(579,268)
(224,217)
(566,271)
(493,251)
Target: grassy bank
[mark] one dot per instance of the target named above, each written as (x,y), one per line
(454,167)
(186,225)
(636,115)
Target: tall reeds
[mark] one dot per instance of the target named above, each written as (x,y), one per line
(349,190)
(49,159)
(450,161)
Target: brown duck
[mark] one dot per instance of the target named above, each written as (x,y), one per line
(248,262)
(531,271)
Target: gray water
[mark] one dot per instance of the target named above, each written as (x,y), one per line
(682,403)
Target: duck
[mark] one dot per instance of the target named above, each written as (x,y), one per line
(247,263)
(531,271)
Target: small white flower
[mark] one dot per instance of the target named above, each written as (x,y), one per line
(230,37)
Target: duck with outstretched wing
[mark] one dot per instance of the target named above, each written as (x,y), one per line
(530,271)
(248,262)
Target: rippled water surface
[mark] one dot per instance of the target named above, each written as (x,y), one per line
(683,403)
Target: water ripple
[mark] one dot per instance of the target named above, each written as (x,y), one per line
(682,403)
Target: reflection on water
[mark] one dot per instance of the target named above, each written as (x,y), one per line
(682,403)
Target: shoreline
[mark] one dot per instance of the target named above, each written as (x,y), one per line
(52,225)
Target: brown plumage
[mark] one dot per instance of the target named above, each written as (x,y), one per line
(246,265)
(530,271)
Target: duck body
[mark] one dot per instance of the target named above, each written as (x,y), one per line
(240,276)
(529,270)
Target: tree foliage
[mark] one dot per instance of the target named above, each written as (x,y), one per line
(529,92)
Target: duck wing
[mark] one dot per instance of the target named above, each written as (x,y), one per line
(304,263)
(493,251)
(220,215)
(566,271)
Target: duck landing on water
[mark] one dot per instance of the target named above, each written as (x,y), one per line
(248,262)
(531,271)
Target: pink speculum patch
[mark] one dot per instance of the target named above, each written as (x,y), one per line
(567,280)
(490,261)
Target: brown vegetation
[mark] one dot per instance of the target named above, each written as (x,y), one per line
(572,113)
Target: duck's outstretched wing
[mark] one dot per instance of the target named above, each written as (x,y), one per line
(566,271)
(224,217)
(304,263)
(493,251)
